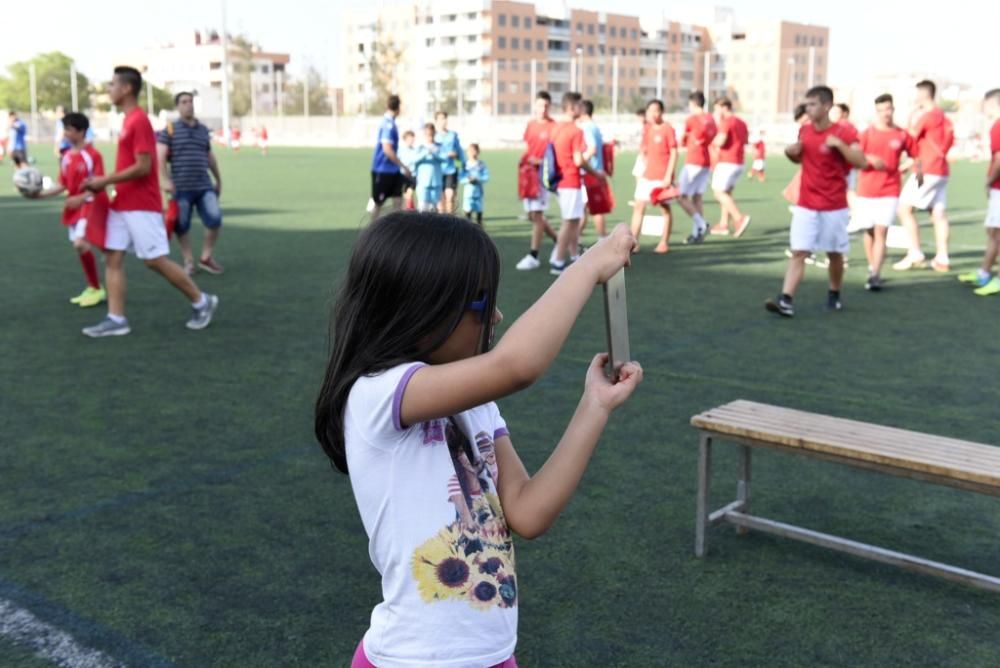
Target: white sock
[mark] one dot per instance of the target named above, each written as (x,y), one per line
(200,304)
(700,222)
(117,319)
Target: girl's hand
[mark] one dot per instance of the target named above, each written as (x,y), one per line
(609,255)
(607,394)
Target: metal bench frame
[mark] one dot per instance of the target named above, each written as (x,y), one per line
(738,512)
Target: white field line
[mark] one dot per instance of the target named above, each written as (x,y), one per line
(46,641)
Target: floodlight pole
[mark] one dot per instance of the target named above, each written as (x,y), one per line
(225,75)
(659,76)
(812,66)
(708,78)
(534,79)
(72,87)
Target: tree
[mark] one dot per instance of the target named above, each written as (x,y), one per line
(319,98)
(52,72)
(241,57)
(445,97)
(383,66)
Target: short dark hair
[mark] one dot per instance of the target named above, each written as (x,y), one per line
(588,107)
(928,86)
(883,98)
(640,112)
(697,97)
(408,133)
(543,95)
(658,103)
(844,109)
(177,98)
(430,126)
(440,112)
(77,121)
(992,94)
(392,104)
(822,93)
(570,98)
(724,102)
(12,113)
(800,111)
(475,146)
(131,77)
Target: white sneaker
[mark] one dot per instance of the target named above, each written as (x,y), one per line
(528,263)
(552,255)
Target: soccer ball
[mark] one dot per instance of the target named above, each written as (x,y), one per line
(28,181)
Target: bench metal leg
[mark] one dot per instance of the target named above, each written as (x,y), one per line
(743,485)
(704,477)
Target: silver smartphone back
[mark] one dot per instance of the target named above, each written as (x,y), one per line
(616,317)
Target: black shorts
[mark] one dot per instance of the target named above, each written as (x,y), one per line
(409,183)
(19,157)
(386,185)
(450,181)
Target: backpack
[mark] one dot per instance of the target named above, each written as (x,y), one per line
(548,171)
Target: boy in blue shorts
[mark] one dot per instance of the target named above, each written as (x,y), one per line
(474,175)
(408,156)
(430,174)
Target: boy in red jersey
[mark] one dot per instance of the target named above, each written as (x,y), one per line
(84,213)
(990,286)
(819,222)
(759,159)
(879,184)
(570,145)
(927,187)
(658,151)
(537,136)
(699,131)
(731,142)
(135,222)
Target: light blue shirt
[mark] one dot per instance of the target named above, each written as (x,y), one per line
(474,175)
(592,136)
(450,143)
(408,156)
(429,163)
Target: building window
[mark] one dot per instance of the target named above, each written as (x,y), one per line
(472,63)
(501,19)
(471,15)
(633,52)
(471,39)
(526,108)
(515,42)
(217,65)
(579,28)
(820,42)
(539,45)
(527,45)
(590,28)
(635,35)
(590,49)
(515,65)
(501,64)
(614,31)
(512,87)
(590,70)
(601,28)
(502,42)
(502,108)
(673,38)
(600,70)
(430,41)
(613,51)
(600,49)
(798,40)
(527,22)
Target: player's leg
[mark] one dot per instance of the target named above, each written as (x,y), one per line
(211,217)
(115,282)
(600,225)
(176,276)
(182,228)
(939,216)
(836,271)
(804,238)
(878,247)
(793,275)
(868,237)
(668,222)
(638,213)
(911,196)
(723,225)
(479,218)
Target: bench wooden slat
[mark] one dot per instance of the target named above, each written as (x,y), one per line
(850,439)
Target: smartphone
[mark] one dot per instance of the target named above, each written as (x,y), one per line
(616,316)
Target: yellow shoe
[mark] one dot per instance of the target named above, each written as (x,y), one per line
(92,297)
(991,288)
(79,297)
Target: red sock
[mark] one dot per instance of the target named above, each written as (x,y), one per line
(90,269)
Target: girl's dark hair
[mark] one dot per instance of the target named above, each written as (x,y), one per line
(409,283)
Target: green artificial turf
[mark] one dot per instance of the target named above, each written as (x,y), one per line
(163,500)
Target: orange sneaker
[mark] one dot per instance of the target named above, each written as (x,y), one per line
(940,267)
(742,227)
(719,230)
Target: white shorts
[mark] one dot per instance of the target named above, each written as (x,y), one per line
(871,211)
(993,210)
(571,202)
(852,180)
(540,203)
(726,176)
(932,195)
(694,180)
(644,188)
(758,165)
(77,230)
(817,231)
(139,232)
(639,168)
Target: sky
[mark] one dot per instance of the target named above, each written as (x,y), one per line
(866,36)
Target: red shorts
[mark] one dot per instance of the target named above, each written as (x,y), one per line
(600,198)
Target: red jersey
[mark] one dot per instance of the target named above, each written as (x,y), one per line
(263,134)
(699,131)
(537,136)
(568,138)
(142,194)
(759,150)
(737,135)
(934,136)
(994,149)
(824,169)
(75,167)
(658,139)
(889,145)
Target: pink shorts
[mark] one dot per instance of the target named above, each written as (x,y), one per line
(361,661)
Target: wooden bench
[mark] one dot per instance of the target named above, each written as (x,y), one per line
(945,461)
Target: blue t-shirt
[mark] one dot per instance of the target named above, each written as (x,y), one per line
(387,132)
(592,137)
(19,133)
(450,144)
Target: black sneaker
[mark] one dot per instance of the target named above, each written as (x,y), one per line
(874,283)
(696,237)
(781,306)
(833,303)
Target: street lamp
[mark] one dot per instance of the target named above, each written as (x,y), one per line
(579,69)
(791,84)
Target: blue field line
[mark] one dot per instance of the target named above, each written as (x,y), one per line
(130,499)
(89,632)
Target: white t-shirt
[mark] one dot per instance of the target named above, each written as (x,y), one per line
(437,534)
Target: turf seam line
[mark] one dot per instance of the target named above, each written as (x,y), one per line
(59,635)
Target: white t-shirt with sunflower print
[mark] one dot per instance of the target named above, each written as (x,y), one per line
(437,534)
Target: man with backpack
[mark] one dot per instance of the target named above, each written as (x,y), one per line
(537,137)
(926,189)
(600,198)
(568,146)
